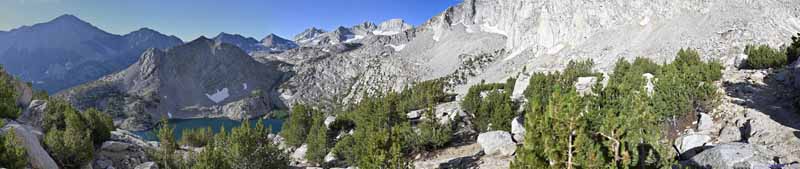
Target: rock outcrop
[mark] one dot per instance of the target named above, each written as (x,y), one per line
(392,26)
(497,143)
(31,141)
(299,155)
(34,114)
(123,151)
(733,155)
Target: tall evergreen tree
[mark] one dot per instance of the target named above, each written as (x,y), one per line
(297,127)
(8,96)
(317,140)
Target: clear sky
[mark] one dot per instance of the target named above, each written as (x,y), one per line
(189,19)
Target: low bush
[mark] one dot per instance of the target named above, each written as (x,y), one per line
(12,155)
(763,57)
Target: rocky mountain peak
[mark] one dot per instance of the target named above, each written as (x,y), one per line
(392,26)
(226,37)
(68,19)
(275,43)
(308,34)
(245,43)
(147,36)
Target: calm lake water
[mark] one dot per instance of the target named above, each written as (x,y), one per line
(214,123)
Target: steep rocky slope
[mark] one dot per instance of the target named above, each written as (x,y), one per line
(508,37)
(67,51)
(202,78)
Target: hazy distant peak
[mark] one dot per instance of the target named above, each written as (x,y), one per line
(308,34)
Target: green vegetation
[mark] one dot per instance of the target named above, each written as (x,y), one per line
(70,135)
(492,111)
(383,135)
(12,155)
(243,147)
(620,126)
(297,127)
(433,135)
(70,146)
(420,95)
(763,56)
(197,137)
(317,139)
(8,96)
(165,156)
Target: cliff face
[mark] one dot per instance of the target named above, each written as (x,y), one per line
(629,27)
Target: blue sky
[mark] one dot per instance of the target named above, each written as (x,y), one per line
(189,19)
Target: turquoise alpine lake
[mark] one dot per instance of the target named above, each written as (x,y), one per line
(215,123)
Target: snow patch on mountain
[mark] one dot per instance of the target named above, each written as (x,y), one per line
(353,38)
(219,96)
(387,33)
(493,29)
(397,47)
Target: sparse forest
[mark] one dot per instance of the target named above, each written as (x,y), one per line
(620,125)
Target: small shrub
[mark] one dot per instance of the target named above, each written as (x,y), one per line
(11,154)
(196,137)
(763,57)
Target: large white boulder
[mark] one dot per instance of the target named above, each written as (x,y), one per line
(330,157)
(329,120)
(733,155)
(299,155)
(692,141)
(123,150)
(447,112)
(584,85)
(416,114)
(497,143)
(38,157)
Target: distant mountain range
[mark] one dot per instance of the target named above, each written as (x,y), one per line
(271,43)
(68,51)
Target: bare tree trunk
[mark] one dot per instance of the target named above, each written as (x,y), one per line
(615,146)
(570,146)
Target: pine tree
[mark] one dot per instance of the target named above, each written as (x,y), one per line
(8,96)
(100,123)
(250,148)
(71,147)
(317,140)
(296,129)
